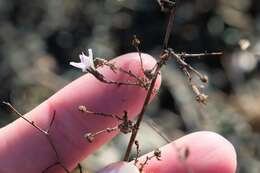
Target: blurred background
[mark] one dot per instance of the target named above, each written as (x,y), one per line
(39,38)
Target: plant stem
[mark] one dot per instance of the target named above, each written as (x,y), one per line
(141,114)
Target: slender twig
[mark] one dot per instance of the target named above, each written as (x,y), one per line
(163,58)
(91,136)
(181,155)
(154,126)
(83,109)
(169,28)
(141,114)
(138,151)
(46,134)
(156,154)
(101,78)
(52,120)
(21,116)
(80,168)
(186,66)
(136,42)
(142,82)
(49,167)
(194,55)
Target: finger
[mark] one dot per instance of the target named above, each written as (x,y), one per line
(30,149)
(208,153)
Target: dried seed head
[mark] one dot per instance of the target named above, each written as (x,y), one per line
(148,74)
(111,129)
(82,108)
(126,127)
(158,153)
(136,42)
(202,98)
(204,78)
(89,136)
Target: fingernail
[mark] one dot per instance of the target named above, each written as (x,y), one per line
(120,167)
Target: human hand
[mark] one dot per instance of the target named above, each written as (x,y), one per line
(24,149)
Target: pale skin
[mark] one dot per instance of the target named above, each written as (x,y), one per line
(23,149)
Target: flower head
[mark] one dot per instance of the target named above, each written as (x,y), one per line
(86,62)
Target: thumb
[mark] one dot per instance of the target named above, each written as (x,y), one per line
(120,167)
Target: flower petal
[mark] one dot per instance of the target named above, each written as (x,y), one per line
(91,58)
(79,65)
(83,58)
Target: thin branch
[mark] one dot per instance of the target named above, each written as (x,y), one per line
(138,151)
(141,81)
(49,167)
(91,136)
(141,114)
(156,154)
(52,120)
(184,65)
(102,62)
(101,78)
(154,126)
(170,23)
(80,168)
(83,109)
(21,116)
(55,164)
(198,55)
(136,42)
(163,58)
(46,134)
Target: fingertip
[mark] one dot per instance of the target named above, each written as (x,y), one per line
(208,152)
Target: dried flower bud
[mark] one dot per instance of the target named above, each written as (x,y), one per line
(148,74)
(136,42)
(89,136)
(83,109)
(126,127)
(158,153)
(204,79)
(111,129)
(202,98)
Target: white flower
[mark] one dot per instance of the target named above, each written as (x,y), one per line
(86,62)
